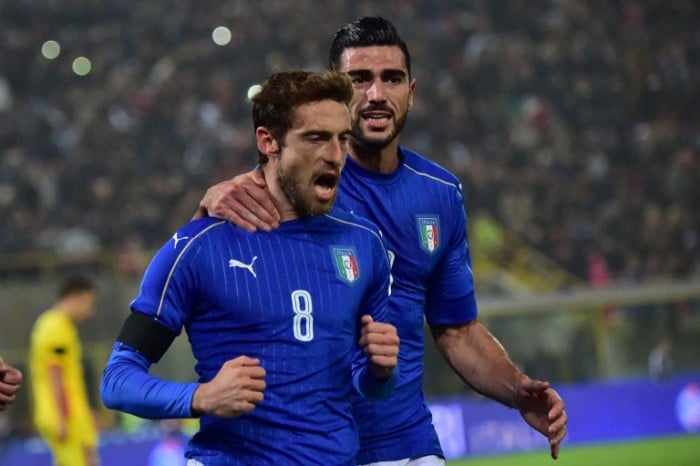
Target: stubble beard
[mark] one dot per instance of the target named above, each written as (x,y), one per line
(367,146)
(303,206)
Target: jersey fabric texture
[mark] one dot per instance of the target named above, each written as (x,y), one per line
(420,210)
(292,298)
(55,343)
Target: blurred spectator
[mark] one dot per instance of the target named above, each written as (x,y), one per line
(660,362)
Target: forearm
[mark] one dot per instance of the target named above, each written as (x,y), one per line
(480,360)
(59,393)
(127,386)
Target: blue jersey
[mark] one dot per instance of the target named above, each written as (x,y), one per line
(292,298)
(420,210)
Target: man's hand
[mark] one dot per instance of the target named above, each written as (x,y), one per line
(10,382)
(380,343)
(543,409)
(91,457)
(236,389)
(243,200)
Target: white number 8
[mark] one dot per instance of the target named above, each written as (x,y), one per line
(303,321)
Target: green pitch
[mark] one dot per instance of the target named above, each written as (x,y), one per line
(668,451)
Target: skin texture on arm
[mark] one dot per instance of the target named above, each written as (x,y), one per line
(10,382)
(91,458)
(482,362)
(243,200)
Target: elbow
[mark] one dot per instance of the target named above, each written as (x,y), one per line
(106,391)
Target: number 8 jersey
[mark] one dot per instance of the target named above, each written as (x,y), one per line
(292,298)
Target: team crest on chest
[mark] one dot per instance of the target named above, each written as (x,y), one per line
(346,266)
(429,232)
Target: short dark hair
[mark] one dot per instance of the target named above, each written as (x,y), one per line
(366,32)
(281,93)
(74,285)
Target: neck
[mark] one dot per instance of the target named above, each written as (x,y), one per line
(65,307)
(284,207)
(383,160)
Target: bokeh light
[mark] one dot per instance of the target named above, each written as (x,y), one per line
(221,35)
(253,90)
(50,49)
(82,66)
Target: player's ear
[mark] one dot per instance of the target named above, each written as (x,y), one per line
(267,144)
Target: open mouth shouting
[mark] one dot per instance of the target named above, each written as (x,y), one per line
(325,186)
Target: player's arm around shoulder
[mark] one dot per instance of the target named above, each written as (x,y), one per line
(243,200)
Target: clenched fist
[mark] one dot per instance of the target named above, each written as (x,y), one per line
(380,343)
(235,390)
(10,381)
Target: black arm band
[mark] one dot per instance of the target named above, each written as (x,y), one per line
(146,335)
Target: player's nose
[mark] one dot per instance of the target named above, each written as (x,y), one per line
(375,93)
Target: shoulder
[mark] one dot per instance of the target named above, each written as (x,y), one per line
(51,325)
(429,171)
(187,243)
(50,319)
(195,230)
(201,226)
(354,223)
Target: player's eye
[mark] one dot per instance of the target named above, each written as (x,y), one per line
(358,79)
(315,138)
(394,79)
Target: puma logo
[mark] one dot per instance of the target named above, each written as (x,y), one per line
(177,240)
(234,263)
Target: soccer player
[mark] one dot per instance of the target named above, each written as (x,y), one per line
(10,382)
(62,413)
(419,207)
(284,324)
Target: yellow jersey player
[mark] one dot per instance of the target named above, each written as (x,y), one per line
(62,412)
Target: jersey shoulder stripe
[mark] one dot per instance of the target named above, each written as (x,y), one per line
(429,170)
(432,177)
(180,255)
(370,227)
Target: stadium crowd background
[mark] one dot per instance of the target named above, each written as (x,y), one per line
(573,124)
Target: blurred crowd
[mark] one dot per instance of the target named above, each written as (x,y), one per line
(573,123)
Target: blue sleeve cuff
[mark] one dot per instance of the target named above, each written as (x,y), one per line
(372,388)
